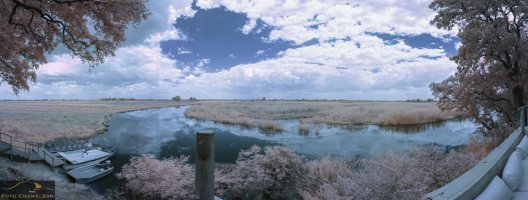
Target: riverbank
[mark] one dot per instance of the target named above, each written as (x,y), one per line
(265,114)
(41,121)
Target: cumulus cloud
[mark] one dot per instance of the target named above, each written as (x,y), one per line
(159,25)
(138,69)
(301,21)
(346,62)
(341,69)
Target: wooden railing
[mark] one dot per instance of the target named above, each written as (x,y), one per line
(473,182)
(27,148)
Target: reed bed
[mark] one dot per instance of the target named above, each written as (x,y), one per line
(41,121)
(250,113)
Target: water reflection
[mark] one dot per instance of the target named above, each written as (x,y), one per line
(416,128)
(167,132)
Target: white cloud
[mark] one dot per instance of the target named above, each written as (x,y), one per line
(330,70)
(160,24)
(171,34)
(457,45)
(347,63)
(301,21)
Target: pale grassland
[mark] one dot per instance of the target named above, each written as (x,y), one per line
(40,121)
(255,113)
(64,189)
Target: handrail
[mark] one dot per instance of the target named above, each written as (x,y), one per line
(27,148)
(470,184)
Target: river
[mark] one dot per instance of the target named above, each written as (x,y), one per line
(166,132)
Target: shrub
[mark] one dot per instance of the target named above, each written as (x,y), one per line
(275,172)
(148,177)
(392,176)
(269,173)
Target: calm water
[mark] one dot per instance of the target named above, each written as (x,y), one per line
(167,132)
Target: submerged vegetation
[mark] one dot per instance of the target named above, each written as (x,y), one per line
(264,114)
(275,172)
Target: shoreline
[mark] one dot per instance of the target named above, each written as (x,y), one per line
(41,121)
(265,115)
(106,122)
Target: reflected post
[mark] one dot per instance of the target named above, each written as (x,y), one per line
(204,174)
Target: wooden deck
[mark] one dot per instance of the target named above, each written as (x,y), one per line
(18,153)
(17,150)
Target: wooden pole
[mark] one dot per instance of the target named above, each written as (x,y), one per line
(523,120)
(204,175)
(11,150)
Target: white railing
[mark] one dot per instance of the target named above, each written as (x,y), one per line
(473,182)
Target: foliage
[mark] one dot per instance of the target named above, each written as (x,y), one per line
(90,30)
(390,177)
(176,98)
(490,80)
(148,177)
(275,172)
(269,173)
(193,99)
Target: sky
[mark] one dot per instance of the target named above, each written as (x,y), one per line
(283,49)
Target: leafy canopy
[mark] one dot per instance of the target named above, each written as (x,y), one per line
(491,77)
(89,29)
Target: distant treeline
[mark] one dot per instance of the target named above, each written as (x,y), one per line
(420,100)
(117,99)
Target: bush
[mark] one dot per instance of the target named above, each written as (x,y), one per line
(150,178)
(269,173)
(275,172)
(393,176)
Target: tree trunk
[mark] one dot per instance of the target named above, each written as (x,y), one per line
(518,99)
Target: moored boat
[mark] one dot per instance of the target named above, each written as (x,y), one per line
(89,173)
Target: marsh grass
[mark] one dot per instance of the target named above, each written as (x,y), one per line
(257,113)
(41,121)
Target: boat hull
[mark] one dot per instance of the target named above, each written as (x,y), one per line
(89,173)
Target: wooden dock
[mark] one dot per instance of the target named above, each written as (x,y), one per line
(24,151)
(52,159)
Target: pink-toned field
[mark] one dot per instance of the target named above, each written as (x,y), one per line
(264,114)
(40,121)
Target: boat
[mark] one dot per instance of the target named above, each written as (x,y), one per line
(69,166)
(81,156)
(89,173)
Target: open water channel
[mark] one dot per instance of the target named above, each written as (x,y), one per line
(166,132)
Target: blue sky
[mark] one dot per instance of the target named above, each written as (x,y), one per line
(368,50)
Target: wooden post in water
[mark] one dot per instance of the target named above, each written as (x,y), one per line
(204,175)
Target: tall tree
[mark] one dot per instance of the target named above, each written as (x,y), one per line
(89,29)
(491,76)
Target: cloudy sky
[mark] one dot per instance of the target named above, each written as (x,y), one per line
(361,50)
